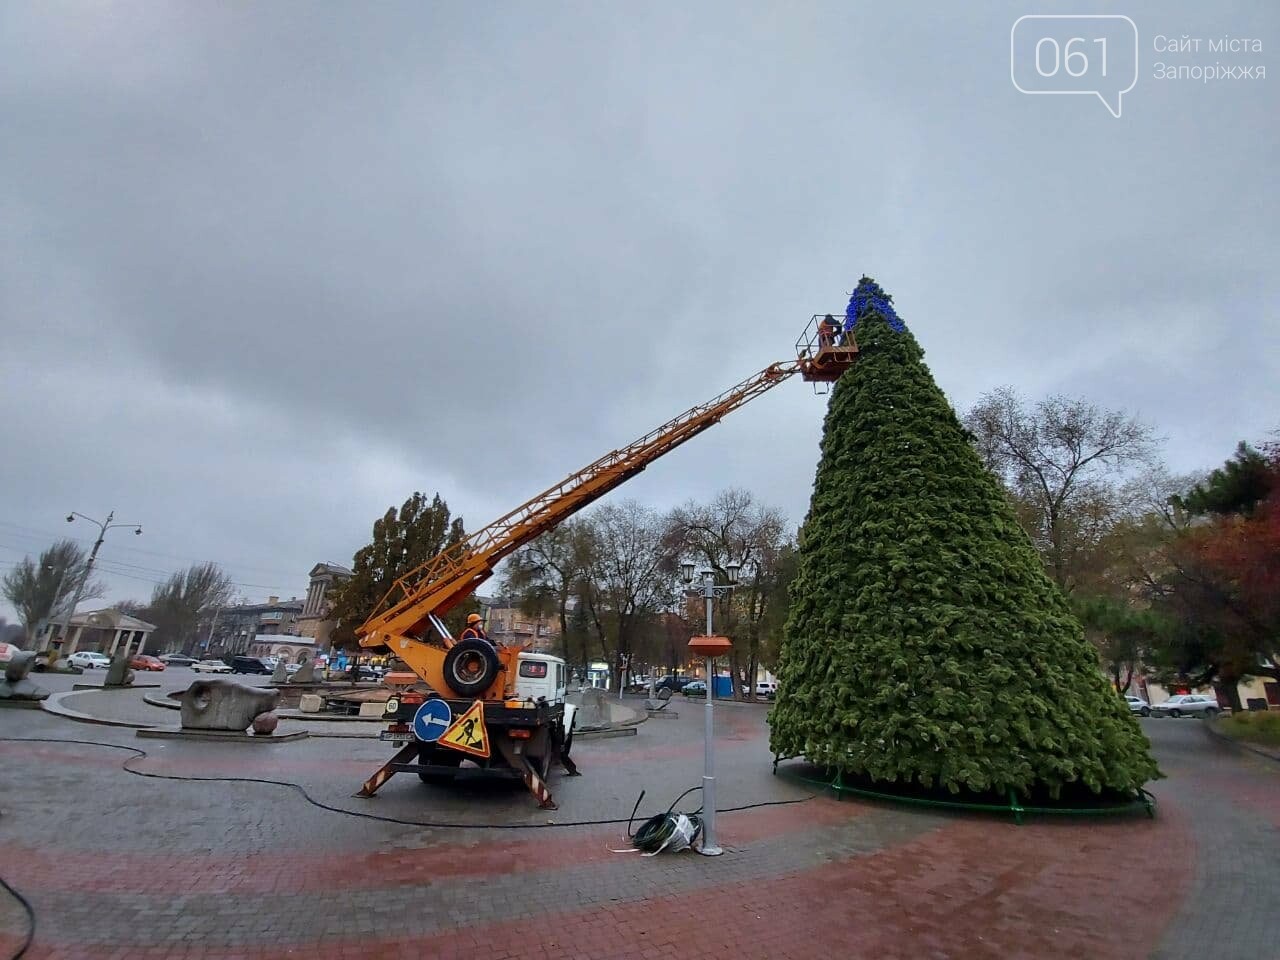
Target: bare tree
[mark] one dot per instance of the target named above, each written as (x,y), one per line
(181,602)
(734,528)
(40,589)
(628,580)
(544,574)
(1059,460)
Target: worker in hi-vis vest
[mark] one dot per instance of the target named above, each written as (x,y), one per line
(475,628)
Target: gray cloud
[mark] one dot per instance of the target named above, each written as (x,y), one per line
(266,269)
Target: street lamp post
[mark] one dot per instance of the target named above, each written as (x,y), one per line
(710,646)
(103,527)
(38,637)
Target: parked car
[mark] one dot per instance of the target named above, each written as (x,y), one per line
(248,665)
(89,660)
(666,686)
(210,666)
(1138,705)
(1188,705)
(176,660)
(765,689)
(144,661)
(695,688)
(291,668)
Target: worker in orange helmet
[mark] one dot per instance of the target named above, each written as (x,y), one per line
(475,628)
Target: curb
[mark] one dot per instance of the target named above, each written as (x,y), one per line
(167,702)
(216,736)
(78,687)
(55,706)
(1221,737)
(606,733)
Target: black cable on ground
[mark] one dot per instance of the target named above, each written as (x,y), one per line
(142,754)
(301,791)
(31,918)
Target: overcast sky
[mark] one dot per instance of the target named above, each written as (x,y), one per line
(268,268)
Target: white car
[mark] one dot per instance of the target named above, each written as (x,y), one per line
(1188,705)
(1138,705)
(210,666)
(89,659)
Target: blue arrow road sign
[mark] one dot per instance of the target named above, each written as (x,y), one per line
(432,720)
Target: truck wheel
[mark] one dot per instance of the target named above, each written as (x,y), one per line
(438,758)
(470,667)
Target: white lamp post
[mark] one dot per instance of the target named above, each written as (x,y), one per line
(710,646)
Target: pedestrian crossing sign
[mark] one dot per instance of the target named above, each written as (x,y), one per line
(468,732)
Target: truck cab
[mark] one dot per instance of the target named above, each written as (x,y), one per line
(541,676)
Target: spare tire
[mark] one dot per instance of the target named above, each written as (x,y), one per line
(471,666)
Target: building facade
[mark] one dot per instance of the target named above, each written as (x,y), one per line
(284,647)
(507,623)
(314,620)
(238,627)
(106,630)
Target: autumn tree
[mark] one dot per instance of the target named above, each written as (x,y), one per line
(1059,459)
(926,643)
(1219,582)
(402,540)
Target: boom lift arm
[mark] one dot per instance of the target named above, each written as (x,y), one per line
(422,596)
(431,590)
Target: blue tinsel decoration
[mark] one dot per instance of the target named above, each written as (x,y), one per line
(869,296)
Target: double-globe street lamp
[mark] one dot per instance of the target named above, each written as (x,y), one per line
(103,526)
(710,646)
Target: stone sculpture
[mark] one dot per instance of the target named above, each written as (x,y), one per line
(15,686)
(222,704)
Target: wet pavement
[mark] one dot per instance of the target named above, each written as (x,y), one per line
(144,862)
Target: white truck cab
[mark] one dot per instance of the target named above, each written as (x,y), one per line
(541,675)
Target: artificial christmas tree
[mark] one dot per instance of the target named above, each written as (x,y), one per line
(925,644)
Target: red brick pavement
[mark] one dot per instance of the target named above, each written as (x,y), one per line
(42,869)
(975,888)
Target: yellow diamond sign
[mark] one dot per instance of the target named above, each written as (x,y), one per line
(468,732)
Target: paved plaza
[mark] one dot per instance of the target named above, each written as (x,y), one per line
(128,866)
